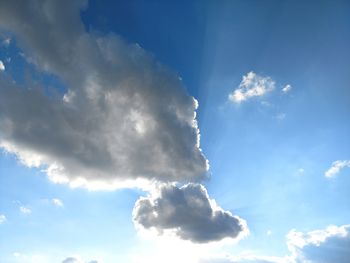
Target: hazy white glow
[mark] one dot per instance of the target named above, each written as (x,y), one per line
(2,66)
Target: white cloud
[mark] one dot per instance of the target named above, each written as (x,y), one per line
(188,213)
(252,85)
(25,210)
(125,119)
(57,202)
(2,219)
(287,88)
(321,246)
(336,167)
(2,66)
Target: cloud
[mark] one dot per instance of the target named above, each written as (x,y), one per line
(57,202)
(188,213)
(336,167)
(25,210)
(281,116)
(77,260)
(72,260)
(252,85)
(321,246)
(124,120)
(119,119)
(2,219)
(287,88)
(2,66)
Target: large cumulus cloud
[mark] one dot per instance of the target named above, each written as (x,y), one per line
(120,119)
(124,117)
(188,212)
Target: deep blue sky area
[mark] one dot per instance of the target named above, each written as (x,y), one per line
(173,31)
(281,35)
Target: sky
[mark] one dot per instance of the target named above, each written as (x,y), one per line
(174,131)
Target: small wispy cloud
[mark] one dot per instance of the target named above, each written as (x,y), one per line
(287,88)
(2,66)
(252,85)
(301,171)
(57,202)
(281,116)
(2,219)
(77,259)
(336,167)
(6,42)
(25,210)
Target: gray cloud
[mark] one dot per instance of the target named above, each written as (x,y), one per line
(123,119)
(188,213)
(321,246)
(71,260)
(124,116)
(77,260)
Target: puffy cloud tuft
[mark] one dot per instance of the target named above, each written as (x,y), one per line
(25,210)
(321,246)
(287,88)
(188,213)
(252,85)
(124,120)
(57,202)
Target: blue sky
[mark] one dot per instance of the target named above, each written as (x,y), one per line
(99,156)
